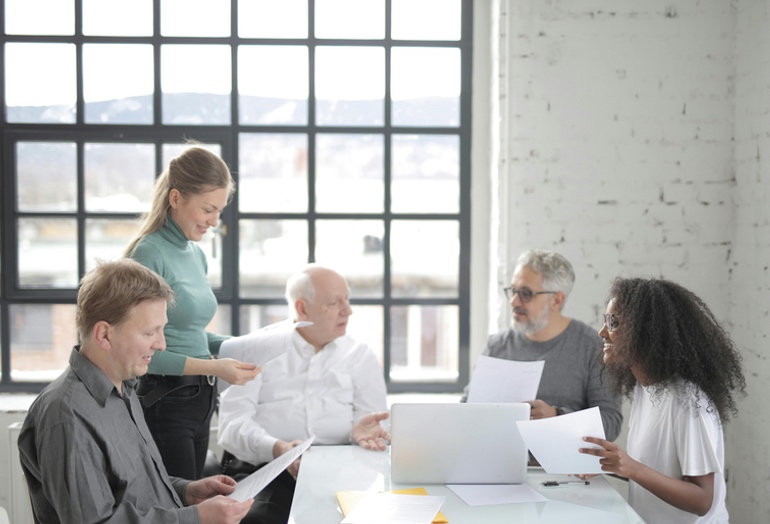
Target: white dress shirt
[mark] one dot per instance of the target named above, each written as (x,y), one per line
(302,393)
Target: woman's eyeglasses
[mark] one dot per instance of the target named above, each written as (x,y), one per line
(611,322)
(525,294)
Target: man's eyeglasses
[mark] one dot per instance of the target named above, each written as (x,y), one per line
(611,322)
(525,294)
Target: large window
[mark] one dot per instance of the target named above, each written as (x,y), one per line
(346,124)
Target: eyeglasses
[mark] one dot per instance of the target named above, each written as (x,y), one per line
(525,294)
(611,322)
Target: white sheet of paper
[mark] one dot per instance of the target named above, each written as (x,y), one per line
(261,346)
(257,481)
(488,494)
(391,508)
(555,441)
(502,380)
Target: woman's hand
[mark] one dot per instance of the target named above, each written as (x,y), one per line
(612,457)
(235,372)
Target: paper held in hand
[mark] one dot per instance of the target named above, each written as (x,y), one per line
(555,441)
(257,481)
(260,346)
(501,380)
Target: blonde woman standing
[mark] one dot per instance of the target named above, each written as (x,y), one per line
(179,393)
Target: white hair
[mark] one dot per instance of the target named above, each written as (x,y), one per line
(556,270)
(299,285)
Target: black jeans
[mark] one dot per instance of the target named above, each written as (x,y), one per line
(179,423)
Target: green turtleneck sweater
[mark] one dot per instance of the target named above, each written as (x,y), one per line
(182,264)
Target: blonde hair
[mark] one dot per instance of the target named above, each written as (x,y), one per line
(197,170)
(111,290)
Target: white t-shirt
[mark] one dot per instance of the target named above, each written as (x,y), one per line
(672,436)
(299,394)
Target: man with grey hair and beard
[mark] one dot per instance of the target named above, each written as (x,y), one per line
(571,378)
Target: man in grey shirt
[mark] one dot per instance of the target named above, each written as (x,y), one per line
(86,451)
(571,379)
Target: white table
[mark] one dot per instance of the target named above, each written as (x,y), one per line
(328,469)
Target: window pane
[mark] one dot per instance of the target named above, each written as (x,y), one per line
(424,344)
(117,17)
(271,19)
(425,86)
(42,337)
(276,98)
(196,84)
(41,241)
(360,19)
(350,95)
(349,173)
(195,17)
(426,19)
(271,250)
(40,17)
(353,248)
(255,317)
(118,83)
(425,258)
(40,83)
(106,239)
(211,244)
(46,176)
(366,325)
(425,165)
(119,177)
(273,173)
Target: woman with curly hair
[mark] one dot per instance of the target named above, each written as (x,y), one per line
(666,351)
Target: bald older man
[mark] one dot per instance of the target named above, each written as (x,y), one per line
(328,384)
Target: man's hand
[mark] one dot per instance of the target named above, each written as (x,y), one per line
(222,510)
(280,447)
(541,409)
(213,507)
(206,488)
(368,433)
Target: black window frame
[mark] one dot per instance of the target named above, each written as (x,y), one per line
(227,136)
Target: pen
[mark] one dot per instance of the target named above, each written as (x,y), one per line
(553,483)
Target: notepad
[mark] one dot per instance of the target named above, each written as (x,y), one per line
(348,499)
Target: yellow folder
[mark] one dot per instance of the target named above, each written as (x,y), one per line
(348,499)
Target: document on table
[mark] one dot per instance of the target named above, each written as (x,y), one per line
(257,481)
(489,494)
(555,441)
(502,380)
(390,508)
(348,500)
(261,346)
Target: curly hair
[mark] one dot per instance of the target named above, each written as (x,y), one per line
(667,332)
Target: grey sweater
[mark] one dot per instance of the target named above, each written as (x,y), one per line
(571,375)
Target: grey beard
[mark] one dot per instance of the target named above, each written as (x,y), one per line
(533,326)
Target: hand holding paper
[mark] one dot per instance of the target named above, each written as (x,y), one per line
(555,442)
(257,481)
(261,346)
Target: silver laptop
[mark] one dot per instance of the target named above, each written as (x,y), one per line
(457,443)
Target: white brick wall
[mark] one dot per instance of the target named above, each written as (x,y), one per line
(633,140)
(749,451)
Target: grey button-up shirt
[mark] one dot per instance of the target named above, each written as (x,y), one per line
(88,455)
